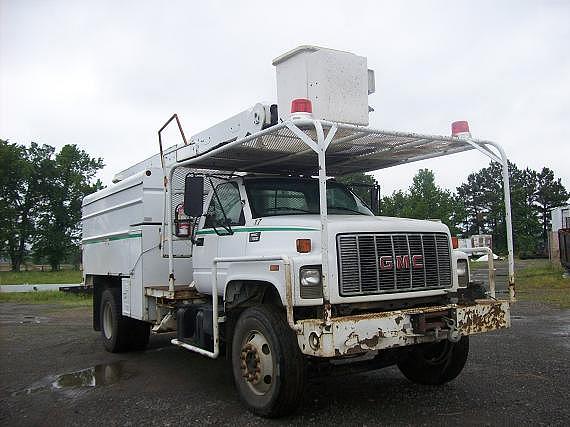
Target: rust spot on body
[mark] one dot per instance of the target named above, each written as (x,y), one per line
(370,342)
(481,318)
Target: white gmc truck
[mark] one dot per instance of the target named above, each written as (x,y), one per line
(240,242)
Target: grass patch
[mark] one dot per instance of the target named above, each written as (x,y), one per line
(40,277)
(543,282)
(47,297)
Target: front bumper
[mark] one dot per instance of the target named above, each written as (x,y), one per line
(358,334)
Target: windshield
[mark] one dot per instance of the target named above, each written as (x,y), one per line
(282,196)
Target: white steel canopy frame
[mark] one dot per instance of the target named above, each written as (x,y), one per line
(317,147)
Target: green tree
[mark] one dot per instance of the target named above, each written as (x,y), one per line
(424,200)
(482,195)
(40,200)
(526,226)
(396,205)
(21,174)
(549,193)
(66,183)
(533,194)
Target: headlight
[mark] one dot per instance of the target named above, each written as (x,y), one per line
(311,285)
(462,272)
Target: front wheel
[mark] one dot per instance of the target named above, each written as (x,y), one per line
(435,363)
(267,365)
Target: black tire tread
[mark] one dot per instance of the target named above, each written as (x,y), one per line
(130,334)
(292,382)
(418,371)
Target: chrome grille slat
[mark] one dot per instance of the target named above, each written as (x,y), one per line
(410,255)
(416,247)
(360,257)
(384,247)
(358,263)
(377,270)
(401,250)
(393,257)
(424,257)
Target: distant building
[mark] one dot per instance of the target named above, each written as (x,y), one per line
(476,241)
(560,218)
(482,241)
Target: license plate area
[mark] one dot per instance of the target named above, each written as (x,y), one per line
(425,323)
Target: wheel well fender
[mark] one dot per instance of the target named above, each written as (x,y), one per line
(100,283)
(245,293)
(241,294)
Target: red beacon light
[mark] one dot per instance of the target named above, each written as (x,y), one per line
(301,108)
(460,129)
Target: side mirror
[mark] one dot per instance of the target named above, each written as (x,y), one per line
(375,199)
(194,196)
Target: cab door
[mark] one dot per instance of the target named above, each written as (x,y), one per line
(220,235)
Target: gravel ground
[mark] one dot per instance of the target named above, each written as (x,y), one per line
(513,377)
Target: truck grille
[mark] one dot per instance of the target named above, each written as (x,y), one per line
(386,263)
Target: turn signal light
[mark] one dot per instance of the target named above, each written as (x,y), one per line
(303,246)
(454,242)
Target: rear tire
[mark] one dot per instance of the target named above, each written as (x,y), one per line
(120,333)
(435,363)
(268,367)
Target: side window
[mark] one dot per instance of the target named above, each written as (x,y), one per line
(228,195)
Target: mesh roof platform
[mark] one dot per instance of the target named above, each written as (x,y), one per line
(281,149)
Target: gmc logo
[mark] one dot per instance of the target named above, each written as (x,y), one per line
(402,262)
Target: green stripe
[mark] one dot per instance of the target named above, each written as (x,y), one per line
(253,229)
(108,239)
(208,231)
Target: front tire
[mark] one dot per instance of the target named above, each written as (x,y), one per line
(268,368)
(435,363)
(120,333)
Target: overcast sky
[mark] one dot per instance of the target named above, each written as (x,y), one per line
(106,74)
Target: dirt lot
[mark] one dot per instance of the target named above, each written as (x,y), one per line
(55,371)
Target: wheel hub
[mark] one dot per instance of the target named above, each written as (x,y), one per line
(108,321)
(250,363)
(256,363)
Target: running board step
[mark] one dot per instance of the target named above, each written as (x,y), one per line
(190,346)
(180,292)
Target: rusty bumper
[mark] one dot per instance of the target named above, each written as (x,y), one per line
(376,331)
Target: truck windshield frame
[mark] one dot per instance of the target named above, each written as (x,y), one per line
(277,196)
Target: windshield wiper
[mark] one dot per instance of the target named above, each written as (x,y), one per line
(342,208)
(282,208)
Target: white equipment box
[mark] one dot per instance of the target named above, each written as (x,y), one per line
(122,237)
(337,83)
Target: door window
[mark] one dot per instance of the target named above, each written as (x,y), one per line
(231,205)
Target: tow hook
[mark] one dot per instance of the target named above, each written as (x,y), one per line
(453,335)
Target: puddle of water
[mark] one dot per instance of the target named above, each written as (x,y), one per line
(76,383)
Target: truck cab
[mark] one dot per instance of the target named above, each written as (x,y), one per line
(260,214)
